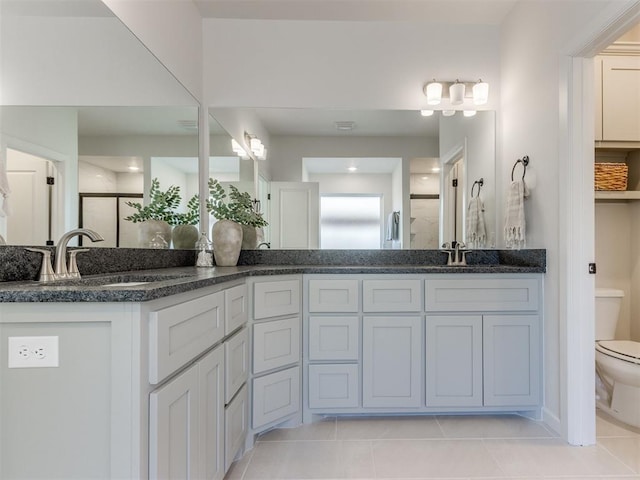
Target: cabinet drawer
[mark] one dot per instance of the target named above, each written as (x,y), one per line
(236,363)
(236,426)
(236,308)
(275,396)
(274,299)
(333,295)
(391,296)
(181,332)
(334,338)
(276,344)
(485,295)
(333,386)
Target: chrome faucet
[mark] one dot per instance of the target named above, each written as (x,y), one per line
(61,271)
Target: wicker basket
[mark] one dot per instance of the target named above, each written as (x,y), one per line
(611,176)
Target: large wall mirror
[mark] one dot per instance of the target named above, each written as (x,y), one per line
(382,177)
(88,117)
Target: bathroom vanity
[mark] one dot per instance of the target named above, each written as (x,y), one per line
(179,375)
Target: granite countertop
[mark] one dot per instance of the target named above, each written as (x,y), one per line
(161,282)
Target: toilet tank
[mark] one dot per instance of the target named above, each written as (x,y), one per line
(608,301)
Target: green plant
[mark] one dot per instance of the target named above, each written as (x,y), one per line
(238,208)
(191,216)
(161,205)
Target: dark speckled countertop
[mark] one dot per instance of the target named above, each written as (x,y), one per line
(103,267)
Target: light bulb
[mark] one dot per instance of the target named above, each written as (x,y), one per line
(433,91)
(426,113)
(448,113)
(456,93)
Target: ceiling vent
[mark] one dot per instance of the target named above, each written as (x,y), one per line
(190,125)
(345,126)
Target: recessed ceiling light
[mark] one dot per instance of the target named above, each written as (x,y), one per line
(435,169)
(424,178)
(345,126)
(133,168)
(352,169)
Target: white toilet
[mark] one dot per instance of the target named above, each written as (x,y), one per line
(617,362)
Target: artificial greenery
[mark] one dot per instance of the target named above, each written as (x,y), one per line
(238,208)
(162,206)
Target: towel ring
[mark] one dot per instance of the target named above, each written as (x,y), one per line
(524,161)
(480,183)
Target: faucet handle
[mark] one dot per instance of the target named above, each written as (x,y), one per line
(46,271)
(73,271)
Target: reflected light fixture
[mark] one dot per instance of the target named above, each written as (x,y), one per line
(426,113)
(456,93)
(435,169)
(469,113)
(433,91)
(352,169)
(238,150)
(480,93)
(134,168)
(448,113)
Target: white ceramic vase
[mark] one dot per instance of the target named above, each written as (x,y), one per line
(150,228)
(226,236)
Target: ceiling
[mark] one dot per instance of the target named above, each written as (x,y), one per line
(461,12)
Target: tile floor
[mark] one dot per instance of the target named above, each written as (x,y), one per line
(439,447)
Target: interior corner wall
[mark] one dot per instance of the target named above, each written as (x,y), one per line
(533,38)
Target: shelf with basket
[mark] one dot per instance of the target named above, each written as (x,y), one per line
(617,174)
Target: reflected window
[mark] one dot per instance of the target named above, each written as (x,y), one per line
(350,221)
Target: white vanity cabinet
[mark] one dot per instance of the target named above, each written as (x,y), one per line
(421,343)
(275,337)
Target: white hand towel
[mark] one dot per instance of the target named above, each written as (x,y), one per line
(5,190)
(476,230)
(514,222)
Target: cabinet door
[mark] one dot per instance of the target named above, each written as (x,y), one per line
(236,308)
(211,384)
(276,396)
(333,386)
(173,428)
(334,338)
(236,355)
(391,362)
(276,344)
(511,360)
(621,98)
(454,361)
(236,426)
(276,299)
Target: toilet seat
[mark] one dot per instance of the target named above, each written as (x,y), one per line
(622,349)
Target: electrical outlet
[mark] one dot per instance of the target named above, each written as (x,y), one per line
(30,352)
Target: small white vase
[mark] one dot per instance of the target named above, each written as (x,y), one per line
(226,236)
(150,228)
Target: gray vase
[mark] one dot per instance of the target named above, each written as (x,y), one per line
(150,228)
(185,236)
(226,237)
(249,237)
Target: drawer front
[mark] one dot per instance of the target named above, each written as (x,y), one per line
(333,295)
(274,299)
(236,426)
(275,396)
(334,338)
(179,333)
(333,386)
(236,363)
(391,296)
(276,344)
(236,308)
(486,295)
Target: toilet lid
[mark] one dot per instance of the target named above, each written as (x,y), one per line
(623,349)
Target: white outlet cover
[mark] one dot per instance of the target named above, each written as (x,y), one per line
(40,352)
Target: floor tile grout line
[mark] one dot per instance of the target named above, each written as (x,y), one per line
(599,445)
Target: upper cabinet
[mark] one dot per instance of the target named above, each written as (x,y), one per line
(618,98)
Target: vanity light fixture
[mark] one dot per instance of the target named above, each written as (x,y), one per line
(433,91)
(256,146)
(426,113)
(238,150)
(456,93)
(480,93)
